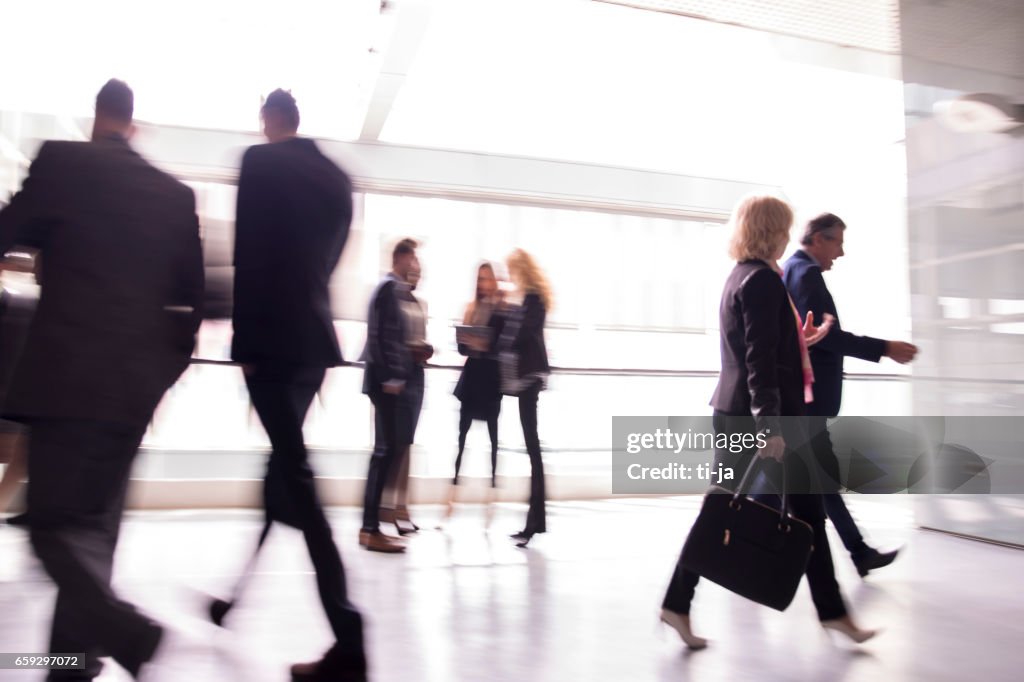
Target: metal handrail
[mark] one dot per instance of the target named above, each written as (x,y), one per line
(680,373)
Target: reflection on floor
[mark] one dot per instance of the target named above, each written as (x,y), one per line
(581,604)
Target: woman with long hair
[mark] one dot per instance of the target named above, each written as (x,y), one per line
(525,368)
(479,386)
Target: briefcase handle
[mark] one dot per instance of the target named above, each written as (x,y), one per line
(735,502)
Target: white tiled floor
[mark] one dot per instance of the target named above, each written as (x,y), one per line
(581,604)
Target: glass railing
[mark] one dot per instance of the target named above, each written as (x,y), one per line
(205,428)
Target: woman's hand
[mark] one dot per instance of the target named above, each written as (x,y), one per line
(812,334)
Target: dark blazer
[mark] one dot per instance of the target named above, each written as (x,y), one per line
(387,355)
(294,211)
(528,343)
(761,369)
(802,276)
(121,283)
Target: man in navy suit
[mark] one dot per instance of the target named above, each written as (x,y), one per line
(822,245)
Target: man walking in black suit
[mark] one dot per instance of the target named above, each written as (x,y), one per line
(391,375)
(294,211)
(822,245)
(115,326)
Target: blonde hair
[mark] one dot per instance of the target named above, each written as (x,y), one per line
(759,224)
(532,277)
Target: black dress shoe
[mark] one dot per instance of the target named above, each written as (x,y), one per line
(333,667)
(19,520)
(218,611)
(870,559)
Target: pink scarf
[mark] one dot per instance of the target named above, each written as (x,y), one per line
(805,357)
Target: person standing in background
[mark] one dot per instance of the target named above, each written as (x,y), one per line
(394,505)
(525,371)
(114,328)
(822,244)
(479,386)
(391,369)
(293,217)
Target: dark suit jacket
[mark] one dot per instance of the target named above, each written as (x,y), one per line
(529,340)
(121,263)
(387,355)
(294,211)
(761,369)
(802,276)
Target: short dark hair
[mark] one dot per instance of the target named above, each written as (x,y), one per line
(282,103)
(403,248)
(822,223)
(116,101)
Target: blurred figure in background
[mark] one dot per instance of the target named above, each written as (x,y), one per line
(394,506)
(390,380)
(822,244)
(765,376)
(114,328)
(294,211)
(525,372)
(479,386)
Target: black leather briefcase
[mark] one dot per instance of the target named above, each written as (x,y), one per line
(749,548)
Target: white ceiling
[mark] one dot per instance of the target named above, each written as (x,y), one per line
(867,24)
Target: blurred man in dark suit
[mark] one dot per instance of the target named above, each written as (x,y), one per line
(294,211)
(391,379)
(822,245)
(114,328)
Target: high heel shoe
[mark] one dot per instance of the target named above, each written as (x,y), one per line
(521,538)
(404,524)
(846,626)
(680,622)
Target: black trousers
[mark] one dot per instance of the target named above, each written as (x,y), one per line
(387,449)
(825,594)
(78,479)
(282,396)
(835,507)
(536,515)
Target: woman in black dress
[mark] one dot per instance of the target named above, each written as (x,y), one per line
(479,387)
